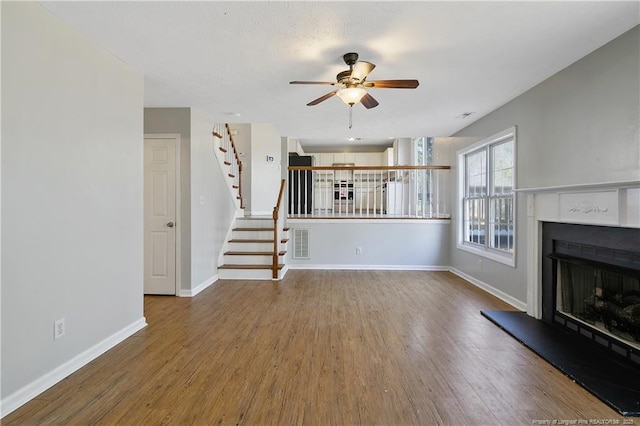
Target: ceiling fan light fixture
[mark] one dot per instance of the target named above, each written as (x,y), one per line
(351,95)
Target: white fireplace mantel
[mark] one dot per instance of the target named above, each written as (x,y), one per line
(605,204)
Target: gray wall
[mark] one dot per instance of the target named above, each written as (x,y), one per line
(579,126)
(402,245)
(72,187)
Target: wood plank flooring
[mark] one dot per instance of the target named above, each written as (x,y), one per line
(319,348)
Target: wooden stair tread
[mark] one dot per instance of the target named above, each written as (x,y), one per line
(222,149)
(251,240)
(241,266)
(253,229)
(254,253)
(285,229)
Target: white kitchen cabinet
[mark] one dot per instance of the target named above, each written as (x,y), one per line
(344,157)
(356,158)
(326,158)
(350,157)
(322,158)
(368,159)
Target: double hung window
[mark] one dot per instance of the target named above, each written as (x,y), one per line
(487,207)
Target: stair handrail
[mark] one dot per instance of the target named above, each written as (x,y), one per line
(238,162)
(276,217)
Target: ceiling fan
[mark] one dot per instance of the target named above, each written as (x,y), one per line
(353,82)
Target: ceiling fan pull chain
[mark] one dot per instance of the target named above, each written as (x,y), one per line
(350,115)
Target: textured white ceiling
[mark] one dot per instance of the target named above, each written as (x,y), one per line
(238,57)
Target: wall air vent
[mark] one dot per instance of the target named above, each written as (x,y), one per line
(301,243)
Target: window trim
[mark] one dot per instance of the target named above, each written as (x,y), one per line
(486,251)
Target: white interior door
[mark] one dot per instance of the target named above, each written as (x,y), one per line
(160,215)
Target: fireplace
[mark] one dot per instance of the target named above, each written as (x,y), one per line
(591,284)
(583,268)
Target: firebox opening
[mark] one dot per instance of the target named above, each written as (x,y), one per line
(603,296)
(590,284)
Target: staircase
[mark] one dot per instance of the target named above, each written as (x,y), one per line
(250,250)
(251,253)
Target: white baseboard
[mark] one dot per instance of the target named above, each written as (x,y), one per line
(35,388)
(373,267)
(491,290)
(206,283)
(281,273)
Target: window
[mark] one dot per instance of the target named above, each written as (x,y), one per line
(487,207)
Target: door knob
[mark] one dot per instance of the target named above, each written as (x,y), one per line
(170,225)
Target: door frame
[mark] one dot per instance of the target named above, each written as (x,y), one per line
(176,138)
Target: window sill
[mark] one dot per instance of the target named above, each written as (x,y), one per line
(508,259)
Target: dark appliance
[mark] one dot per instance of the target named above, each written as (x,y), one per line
(343,190)
(300,185)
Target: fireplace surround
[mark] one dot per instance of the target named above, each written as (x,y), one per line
(583,279)
(609,205)
(597,223)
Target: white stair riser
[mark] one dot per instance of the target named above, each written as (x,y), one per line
(244,247)
(253,223)
(244,274)
(249,259)
(248,235)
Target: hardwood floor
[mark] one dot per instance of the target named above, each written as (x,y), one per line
(319,348)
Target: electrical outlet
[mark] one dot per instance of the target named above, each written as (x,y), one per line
(479,263)
(358,250)
(58,329)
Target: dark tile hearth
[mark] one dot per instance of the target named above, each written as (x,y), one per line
(609,377)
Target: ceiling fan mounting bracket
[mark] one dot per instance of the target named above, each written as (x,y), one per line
(350,58)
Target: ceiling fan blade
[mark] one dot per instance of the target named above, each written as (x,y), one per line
(392,84)
(326,83)
(322,98)
(361,70)
(369,101)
